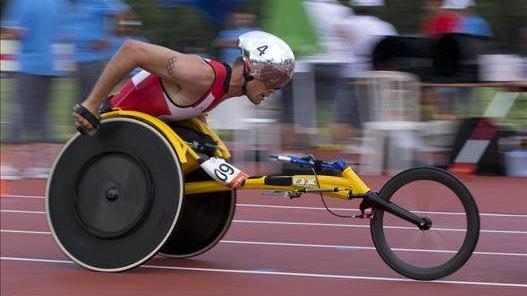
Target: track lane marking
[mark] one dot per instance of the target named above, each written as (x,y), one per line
(280,273)
(22,212)
(357,210)
(321,224)
(338,247)
(367,226)
(313,208)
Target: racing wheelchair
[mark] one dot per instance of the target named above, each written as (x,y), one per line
(136,189)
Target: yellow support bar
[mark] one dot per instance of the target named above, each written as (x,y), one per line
(298,183)
(189,162)
(186,155)
(204,187)
(357,185)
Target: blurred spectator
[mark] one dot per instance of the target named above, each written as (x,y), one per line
(523,39)
(290,20)
(227,40)
(440,18)
(473,24)
(128,26)
(362,32)
(326,16)
(90,26)
(317,83)
(523,51)
(34,24)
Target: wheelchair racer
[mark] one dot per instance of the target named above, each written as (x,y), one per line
(183,86)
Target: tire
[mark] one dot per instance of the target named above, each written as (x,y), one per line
(114,198)
(205,218)
(438,185)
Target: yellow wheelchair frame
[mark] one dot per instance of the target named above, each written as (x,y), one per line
(347,186)
(333,186)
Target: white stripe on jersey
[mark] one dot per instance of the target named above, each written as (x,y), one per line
(137,78)
(178,113)
(207,101)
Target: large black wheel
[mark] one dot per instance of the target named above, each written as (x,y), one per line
(204,220)
(114,198)
(447,245)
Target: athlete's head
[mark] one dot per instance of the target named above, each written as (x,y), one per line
(268,64)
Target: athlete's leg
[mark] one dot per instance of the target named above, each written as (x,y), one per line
(346,120)
(36,111)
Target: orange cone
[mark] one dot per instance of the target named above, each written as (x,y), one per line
(463,169)
(4,190)
(3,182)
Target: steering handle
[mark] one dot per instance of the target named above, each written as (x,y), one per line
(310,161)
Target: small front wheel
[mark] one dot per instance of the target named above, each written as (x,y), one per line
(436,252)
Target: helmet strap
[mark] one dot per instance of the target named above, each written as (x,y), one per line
(246,79)
(246,76)
(244,88)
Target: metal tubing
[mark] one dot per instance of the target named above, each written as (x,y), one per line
(299,183)
(357,185)
(396,210)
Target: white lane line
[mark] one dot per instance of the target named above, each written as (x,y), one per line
(22,212)
(340,247)
(25,231)
(317,208)
(22,196)
(362,248)
(368,226)
(321,224)
(356,210)
(292,274)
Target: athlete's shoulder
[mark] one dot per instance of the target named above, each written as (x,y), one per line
(197,69)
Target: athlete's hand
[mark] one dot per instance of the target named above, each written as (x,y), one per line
(82,120)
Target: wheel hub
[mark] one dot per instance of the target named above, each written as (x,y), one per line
(426,224)
(113,195)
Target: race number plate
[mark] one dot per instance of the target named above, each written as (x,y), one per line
(224,172)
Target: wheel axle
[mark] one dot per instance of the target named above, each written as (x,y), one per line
(374,201)
(425,224)
(112,194)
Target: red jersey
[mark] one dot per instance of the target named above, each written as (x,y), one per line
(145,92)
(444,22)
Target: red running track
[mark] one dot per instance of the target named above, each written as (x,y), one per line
(274,247)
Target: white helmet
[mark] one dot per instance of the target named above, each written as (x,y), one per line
(266,58)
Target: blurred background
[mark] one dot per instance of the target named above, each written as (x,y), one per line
(386,85)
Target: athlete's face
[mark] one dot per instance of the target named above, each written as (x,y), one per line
(257,92)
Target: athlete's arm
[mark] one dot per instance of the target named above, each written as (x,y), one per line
(170,65)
